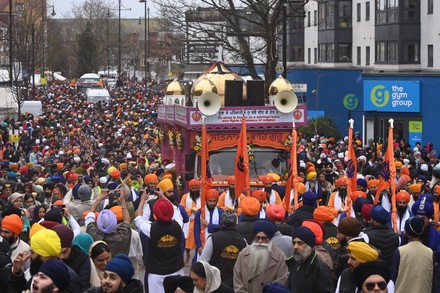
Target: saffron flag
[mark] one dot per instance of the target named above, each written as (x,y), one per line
(351,169)
(242,163)
(388,168)
(292,181)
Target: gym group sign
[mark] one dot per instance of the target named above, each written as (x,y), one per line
(392,96)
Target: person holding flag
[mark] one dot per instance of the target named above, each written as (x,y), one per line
(339,200)
(227,200)
(210,224)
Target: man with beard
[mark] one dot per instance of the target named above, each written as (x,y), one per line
(312,183)
(326,187)
(338,201)
(45,245)
(118,277)
(47,198)
(272,197)
(191,201)
(358,252)
(308,273)
(52,277)
(330,174)
(261,262)
(210,223)
(436,199)
(372,188)
(12,226)
(416,190)
(227,200)
(403,210)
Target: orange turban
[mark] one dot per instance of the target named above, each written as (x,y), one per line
(437,189)
(260,195)
(76,151)
(165,184)
(357,194)
(211,194)
(123,166)
(415,188)
(151,178)
(60,166)
(323,214)
(194,183)
(168,176)
(301,188)
(398,164)
(275,177)
(275,212)
(267,179)
(403,196)
(373,182)
(316,229)
(117,210)
(116,174)
(231,180)
(13,223)
(250,206)
(35,228)
(341,181)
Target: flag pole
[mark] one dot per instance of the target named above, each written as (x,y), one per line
(203,166)
(392,176)
(294,163)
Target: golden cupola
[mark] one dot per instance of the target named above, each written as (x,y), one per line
(279,84)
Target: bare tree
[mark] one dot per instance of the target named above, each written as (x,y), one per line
(247,29)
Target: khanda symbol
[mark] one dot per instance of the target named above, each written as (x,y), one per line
(240,164)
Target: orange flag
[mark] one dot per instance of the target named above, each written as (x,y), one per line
(242,163)
(351,168)
(292,181)
(389,169)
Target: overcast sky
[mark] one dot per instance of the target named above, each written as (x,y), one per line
(137,8)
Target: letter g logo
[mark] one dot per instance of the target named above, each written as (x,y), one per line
(379,97)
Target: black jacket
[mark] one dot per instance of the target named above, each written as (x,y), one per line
(383,238)
(244,227)
(79,261)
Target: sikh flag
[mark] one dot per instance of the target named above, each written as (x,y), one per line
(242,163)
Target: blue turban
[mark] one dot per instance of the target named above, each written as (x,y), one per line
(379,214)
(57,271)
(122,266)
(264,226)
(305,234)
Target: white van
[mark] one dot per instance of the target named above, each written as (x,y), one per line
(95,95)
(33,107)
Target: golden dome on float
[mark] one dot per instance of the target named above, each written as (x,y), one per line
(279,84)
(203,85)
(219,74)
(175,88)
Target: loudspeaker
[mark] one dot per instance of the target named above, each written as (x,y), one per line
(233,93)
(286,101)
(255,93)
(209,103)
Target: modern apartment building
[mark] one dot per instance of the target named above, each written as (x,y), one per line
(371,60)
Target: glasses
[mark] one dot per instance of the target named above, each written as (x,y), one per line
(371,285)
(261,238)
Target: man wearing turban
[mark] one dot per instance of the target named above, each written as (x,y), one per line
(372,185)
(210,223)
(338,201)
(358,253)
(11,227)
(227,200)
(403,210)
(191,201)
(272,197)
(312,183)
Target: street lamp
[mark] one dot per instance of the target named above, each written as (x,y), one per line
(119,35)
(44,7)
(146,37)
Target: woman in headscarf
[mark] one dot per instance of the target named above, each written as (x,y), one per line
(206,279)
(38,213)
(100,255)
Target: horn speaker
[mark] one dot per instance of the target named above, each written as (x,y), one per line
(209,103)
(286,101)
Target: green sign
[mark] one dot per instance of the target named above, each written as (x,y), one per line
(416,126)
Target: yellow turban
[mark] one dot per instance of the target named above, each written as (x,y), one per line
(311,175)
(415,188)
(165,184)
(35,228)
(275,177)
(110,170)
(362,251)
(123,166)
(301,188)
(46,243)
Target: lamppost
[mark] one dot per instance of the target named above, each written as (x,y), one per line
(43,22)
(146,38)
(108,45)
(119,35)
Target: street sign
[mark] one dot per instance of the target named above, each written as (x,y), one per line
(299,87)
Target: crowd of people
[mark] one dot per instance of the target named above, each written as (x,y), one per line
(88,204)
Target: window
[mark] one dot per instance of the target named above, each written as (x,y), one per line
(358,12)
(308,18)
(315,55)
(344,14)
(309,58)
(411,10)
(367,10)
(315,17)
(380,52)
(430,55)
(411,52)
(393,11)
(358,54)
(326,52)
(344,52)
(326,12)
(392,52)
(430,6)
(381,13)
(297,53)
(367,55)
